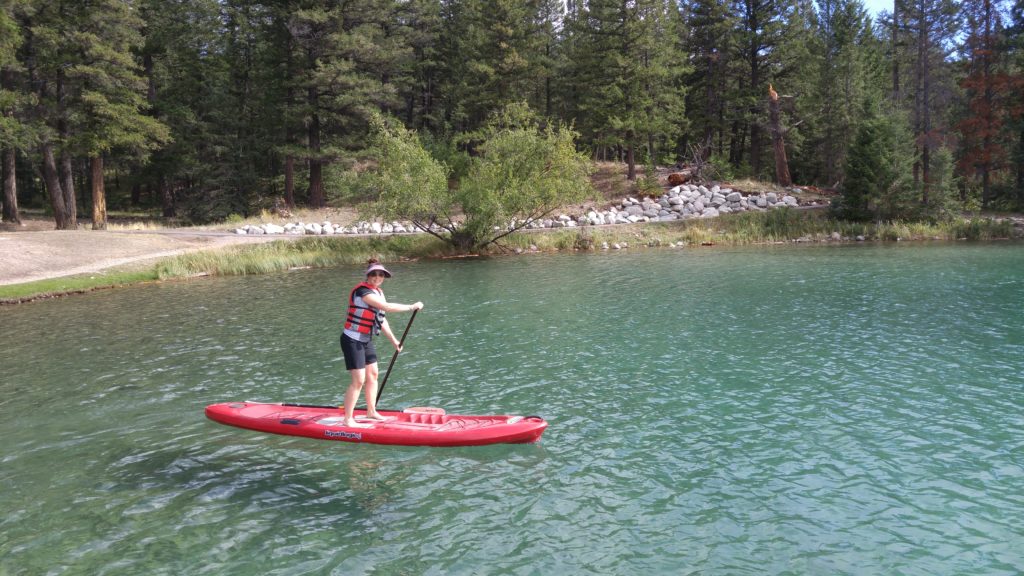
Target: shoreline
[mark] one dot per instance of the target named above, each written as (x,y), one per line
(43,264)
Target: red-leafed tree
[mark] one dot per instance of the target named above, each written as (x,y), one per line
(988,87)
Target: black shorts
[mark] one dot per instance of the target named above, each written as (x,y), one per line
(357,354)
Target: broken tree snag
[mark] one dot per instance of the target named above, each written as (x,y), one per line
(781,164)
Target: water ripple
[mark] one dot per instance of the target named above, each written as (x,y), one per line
(794,411)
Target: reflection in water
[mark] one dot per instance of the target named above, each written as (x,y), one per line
(813,410)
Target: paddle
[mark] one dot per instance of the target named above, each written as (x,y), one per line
(401,343)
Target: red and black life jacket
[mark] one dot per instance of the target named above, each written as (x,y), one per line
(362,317)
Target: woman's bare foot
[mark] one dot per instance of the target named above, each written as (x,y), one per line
(353,424)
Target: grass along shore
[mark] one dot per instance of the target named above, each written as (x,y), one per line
(748,228)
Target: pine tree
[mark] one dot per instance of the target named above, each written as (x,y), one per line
(878,184)
(758,36)
(186,73)
(928,27)
(1015,126)
(629,76)
(988,87)
(495,53)
(709,43)
(352,55)
(845,47)
(111,113)
(12,132)
(419,78)
(49,52)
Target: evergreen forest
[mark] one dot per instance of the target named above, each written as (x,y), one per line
(206,108)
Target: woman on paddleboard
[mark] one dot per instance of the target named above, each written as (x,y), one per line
(365,317)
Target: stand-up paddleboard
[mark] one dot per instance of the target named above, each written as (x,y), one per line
(411,427)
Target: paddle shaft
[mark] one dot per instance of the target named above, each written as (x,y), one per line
(380,389)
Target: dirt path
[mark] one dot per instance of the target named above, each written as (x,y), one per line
(30,254)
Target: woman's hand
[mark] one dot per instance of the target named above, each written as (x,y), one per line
(417,306)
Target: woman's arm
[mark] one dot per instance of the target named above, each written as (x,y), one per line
(378,301)
(385,329)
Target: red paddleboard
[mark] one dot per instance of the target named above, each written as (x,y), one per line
(412,427)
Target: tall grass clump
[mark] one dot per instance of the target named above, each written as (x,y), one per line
(981,229)
(777,225)
(282,255)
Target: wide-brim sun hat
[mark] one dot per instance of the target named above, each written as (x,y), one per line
(375,267)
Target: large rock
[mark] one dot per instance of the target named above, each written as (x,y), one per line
(677,178)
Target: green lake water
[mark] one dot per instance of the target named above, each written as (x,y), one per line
(792,410)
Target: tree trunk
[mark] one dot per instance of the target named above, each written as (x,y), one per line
(10,202)
(922,117)
(895,57)
(631,162)
(166,197)
(736,143)
(782,177)
(147,66)
(52,181)
(926,149)
(986,166)
(11,213)
(755,84)
(289,181)
(710,102)
(289,159)
(99,194)
(67,176)
(316,182)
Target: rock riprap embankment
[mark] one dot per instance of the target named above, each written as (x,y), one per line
(679,203)
(323,228)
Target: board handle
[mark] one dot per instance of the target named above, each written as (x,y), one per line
(424,410)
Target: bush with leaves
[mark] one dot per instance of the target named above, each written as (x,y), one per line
(410,184)
(522,172)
